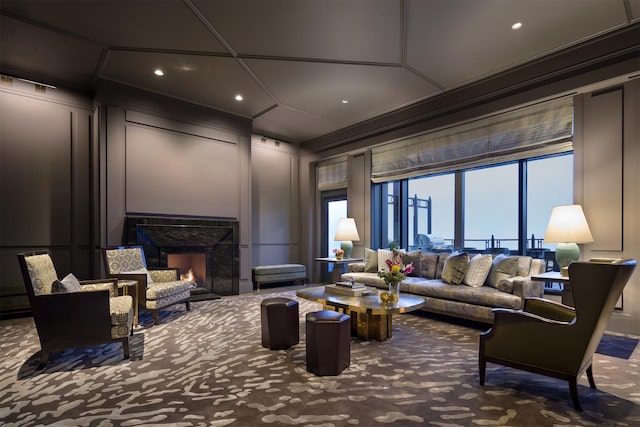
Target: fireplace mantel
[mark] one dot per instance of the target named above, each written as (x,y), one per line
(217,238)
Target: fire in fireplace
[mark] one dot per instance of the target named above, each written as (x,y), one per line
(191,266)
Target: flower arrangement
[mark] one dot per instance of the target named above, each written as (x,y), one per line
(339,253)
(397,271)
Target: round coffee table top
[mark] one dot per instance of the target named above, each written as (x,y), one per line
(363,304)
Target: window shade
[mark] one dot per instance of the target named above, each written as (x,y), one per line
(537,130)
(332,174)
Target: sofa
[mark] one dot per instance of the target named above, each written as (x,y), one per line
(457,284)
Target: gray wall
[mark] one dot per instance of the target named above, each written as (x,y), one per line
(45,181)
(275,204)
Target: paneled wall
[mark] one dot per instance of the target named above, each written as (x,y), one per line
(276,214)
(163,157)
(45,181)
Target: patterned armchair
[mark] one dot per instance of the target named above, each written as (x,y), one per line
(71,313)
(157,287)
(553,339)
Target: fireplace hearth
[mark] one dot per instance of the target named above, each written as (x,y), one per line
(208,246)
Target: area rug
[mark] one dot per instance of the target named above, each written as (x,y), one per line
(207,367)
(617,346)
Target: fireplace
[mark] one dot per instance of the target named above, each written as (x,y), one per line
(207,246)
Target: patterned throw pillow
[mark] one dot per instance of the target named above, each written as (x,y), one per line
(383,256)
(455,268)
(69,284)
(479,268)
(429,265)
(370,261)
(504,267)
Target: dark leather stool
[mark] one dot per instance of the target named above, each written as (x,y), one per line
(328,342)
(280,326)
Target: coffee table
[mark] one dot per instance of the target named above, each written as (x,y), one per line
(371,319)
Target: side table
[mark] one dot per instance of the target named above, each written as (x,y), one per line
(338,265)
(125,285)
(555,276)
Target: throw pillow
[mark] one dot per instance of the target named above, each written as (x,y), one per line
(383,256)
(442,257)
(69,284)
(455,268)
(479,268)
(413,257)
(370,261)
(429,265)
(503,267)
(141,271)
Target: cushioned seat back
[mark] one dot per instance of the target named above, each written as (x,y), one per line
(41,272)
(124,260)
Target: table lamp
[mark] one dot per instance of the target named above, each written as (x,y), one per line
(346,232)
(567,227)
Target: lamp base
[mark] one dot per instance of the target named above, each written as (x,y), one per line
(566,253)
(347,247)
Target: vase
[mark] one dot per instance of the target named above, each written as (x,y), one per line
(338,256)
(394,291)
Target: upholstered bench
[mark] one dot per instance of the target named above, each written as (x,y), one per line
(278,273)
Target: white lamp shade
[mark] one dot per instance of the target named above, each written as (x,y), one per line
(567,224)
(346,230)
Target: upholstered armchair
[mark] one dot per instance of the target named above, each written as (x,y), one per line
(157,287)
(69,313)
(556,340)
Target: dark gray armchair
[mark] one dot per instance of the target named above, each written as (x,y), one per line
(92,314)
(552,339)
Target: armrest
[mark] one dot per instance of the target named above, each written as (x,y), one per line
(72,316)
(549,309)
(355,267)
(524,287)
(166,274)
(100,284)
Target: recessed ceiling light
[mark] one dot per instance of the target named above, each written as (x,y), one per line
(345,101)
(158,72)
(516,26)
(239,97)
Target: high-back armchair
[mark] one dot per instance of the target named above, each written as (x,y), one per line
(157,287)
(71,314)
(553,339)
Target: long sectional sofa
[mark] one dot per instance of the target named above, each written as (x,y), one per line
(467,287)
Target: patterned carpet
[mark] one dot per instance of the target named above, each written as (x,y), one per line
(207,368)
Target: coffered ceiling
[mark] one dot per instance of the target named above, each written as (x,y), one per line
(294,61)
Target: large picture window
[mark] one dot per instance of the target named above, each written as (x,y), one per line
(502,208)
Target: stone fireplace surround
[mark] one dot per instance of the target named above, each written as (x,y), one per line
(218,239)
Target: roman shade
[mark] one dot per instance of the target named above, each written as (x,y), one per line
(332,174)
(532,131)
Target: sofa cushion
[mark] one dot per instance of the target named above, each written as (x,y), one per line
(455,268)
(370,261)
(383,256)
(429,264)
(442,257)
(484,295)
(478,270)
(504,267)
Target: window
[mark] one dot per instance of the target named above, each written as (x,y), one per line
(491,207)
(431,207)
(421,212)
(549,184)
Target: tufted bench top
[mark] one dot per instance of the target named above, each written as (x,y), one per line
(279,269)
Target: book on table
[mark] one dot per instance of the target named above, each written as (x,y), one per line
(350,285)
(348,291)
